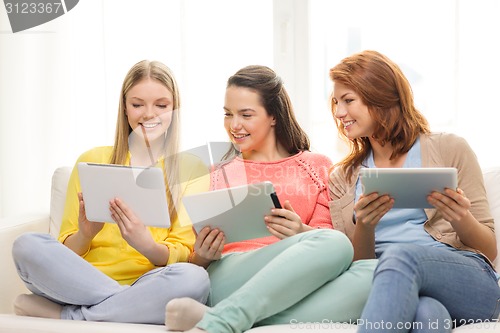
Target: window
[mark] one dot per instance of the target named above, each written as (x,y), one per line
(447,49)
(60,81)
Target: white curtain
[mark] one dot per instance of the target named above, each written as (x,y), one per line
(60,82)
(448,49)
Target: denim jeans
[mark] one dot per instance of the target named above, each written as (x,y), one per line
(50,269)
(428,289)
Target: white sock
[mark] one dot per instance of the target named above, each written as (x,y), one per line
(36,306)
(182,314)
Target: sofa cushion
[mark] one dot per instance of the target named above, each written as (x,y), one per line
(10,229)
(60,180)
(492,184)
(61,176)
(21,324)
(18,324)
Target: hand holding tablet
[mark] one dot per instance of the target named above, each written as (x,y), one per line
(237,211)
(142,189)
(408,186)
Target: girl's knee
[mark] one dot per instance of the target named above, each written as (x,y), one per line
(195,280)
(401,258)
(364,266)
(330,238)
(429,307)
(329,247)
(27,245)
(398,253)
(432,312)
(195,273)
(339,243)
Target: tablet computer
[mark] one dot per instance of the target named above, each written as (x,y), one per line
(408,186)
(142,189)
(237,211)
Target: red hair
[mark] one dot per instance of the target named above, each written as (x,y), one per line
(385,90)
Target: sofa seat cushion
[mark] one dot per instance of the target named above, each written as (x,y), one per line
(18,324)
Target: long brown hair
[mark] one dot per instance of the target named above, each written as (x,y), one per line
(385,90)
(277,103)
(160,72)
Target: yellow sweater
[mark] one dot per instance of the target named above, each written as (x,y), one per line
(109,252)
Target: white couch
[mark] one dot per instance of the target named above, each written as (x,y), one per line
(11,285)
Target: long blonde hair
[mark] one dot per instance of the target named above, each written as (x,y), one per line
(160,72)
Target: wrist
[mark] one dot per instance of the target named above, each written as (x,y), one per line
(158,254)
(195,258)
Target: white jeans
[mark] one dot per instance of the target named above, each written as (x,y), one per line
(50,269)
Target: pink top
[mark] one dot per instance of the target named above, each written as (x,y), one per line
(302,179)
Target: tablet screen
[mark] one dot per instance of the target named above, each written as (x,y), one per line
(142,189)
(408,186)
(238,211)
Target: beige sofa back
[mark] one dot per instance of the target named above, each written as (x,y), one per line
(492,184)
(60,180)
(61,176)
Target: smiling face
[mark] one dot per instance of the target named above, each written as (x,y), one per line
(352,112)
(247,122)
(149,106)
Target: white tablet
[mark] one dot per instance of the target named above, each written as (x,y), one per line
(142,189)
(408,186)
(237,211)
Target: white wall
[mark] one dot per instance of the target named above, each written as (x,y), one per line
(448,49)
(59,82)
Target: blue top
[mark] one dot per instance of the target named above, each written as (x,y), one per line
(401,225)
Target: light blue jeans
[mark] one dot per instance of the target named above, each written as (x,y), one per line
(50,269)
(306,278)
(429,289)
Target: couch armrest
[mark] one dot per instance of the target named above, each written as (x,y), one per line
(10,228)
